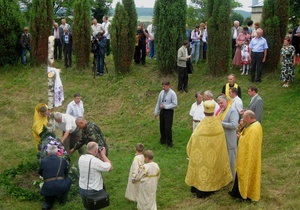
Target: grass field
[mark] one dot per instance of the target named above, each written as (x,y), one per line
(123,107)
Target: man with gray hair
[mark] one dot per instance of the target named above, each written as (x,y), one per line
(235,30)
(229,118)
(54,171)
(258,54)
(208,96)
(71,133)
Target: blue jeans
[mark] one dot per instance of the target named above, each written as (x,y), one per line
(195,51)
(152,48)
(100,63)
(24,51)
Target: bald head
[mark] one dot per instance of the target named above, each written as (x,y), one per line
(249,116)
(92,148)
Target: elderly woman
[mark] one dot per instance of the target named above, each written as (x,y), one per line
(54,171)
(240,40)
(287,61)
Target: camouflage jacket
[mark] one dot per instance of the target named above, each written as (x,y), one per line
(91,132)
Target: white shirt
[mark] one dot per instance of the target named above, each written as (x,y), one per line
(96,29)
(197,111)
(75,110)
(106,26)
(150,31)
(97,166)
(237,103)
(67,123)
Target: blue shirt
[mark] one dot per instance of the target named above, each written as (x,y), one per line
(258,44)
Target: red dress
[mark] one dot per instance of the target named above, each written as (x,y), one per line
(239,42)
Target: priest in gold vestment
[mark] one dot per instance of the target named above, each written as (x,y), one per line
(40,120)
(208,168)
(248,164)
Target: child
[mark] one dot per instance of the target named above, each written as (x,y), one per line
(138,161)
(245,57)
(148,177)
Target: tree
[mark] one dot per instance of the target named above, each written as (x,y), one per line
(10,24)
(82,33)
(294,12)
(120,47)
(218,12)
(274,24)
(194,16)
(129,7)
(169,34)
(100,8)
(40,28)
(236,16)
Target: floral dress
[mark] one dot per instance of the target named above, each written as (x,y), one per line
(287,68)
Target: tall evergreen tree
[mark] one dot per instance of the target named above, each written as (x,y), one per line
(40,29)
(122,49)
(10,24)
(82,33)
(129,7)
(170,19)
(218,13)
(100,8)
(274,23)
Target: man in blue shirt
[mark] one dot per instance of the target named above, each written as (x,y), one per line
(258,53)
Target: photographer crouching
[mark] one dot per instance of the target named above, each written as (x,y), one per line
(98,48)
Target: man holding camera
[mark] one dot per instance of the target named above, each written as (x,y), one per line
(98,48)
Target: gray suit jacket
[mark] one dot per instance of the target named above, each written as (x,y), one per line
(257,106)
(182,56)
(230,125)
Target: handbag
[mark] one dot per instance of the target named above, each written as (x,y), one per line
(95,199)
(189,66)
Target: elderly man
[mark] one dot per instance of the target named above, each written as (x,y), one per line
(248,164)
(182,58)
(54,171)
(231,83)
(97,27)
(75,107)
(90,170)
(67,44)
(71,133)
(166,102)
(57,33)
(65,25)
(151,29)
(197,110)
(258,53)
(90,132)
(235,30)
(106,25)
(230,119)
(208,96)
(208,168)
(237,102)
(256,103)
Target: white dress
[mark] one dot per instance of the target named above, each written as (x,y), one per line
(132,188)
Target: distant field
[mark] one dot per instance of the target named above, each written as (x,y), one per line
(145,18)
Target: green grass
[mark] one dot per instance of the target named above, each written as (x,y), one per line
(123,107)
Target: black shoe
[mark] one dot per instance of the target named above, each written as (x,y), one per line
(186,90)
(170,145)
(181,91)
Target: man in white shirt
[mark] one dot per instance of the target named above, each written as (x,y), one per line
(71,133)
(235,30)
(106,25)
(151,31)
(75,107)
(97,27)
(65,25)
(208,96)
(91,168)
(237,102)
(197,110)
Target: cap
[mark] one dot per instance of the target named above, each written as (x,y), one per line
(209,106)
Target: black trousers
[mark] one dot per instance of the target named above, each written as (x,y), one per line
(233,43)
(256,66)
(107,47)
(141,48)
(165,125)
(57,47)
(183,78)
(68,55)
